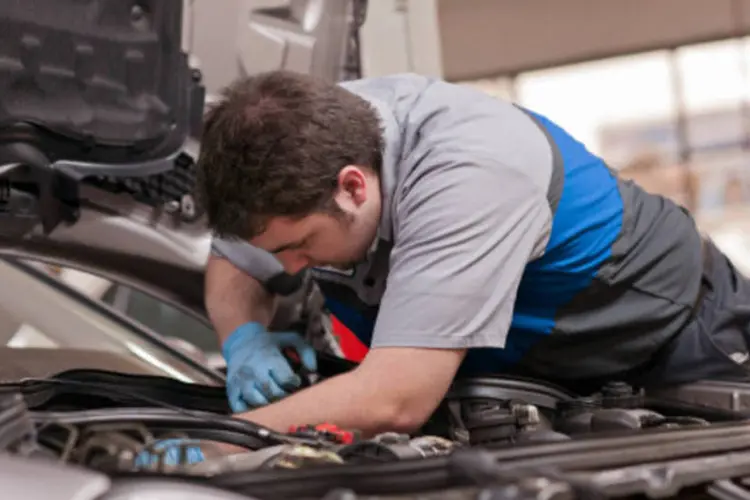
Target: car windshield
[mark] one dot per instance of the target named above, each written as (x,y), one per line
(38,314)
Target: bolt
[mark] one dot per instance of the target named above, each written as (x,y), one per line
(187,206)
(172,206)
(613,389)
(137,13)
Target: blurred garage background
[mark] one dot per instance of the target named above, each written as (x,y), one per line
(659,88)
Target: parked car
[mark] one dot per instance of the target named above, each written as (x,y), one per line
(98,116)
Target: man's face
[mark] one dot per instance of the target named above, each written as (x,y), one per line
(324,239)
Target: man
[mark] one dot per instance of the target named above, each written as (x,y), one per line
(451,231)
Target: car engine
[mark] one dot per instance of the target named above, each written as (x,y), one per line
(492,437)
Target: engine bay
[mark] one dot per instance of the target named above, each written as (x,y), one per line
(492,437)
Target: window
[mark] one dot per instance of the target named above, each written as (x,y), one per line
(36,312)
(650,109)
(191,335)
(162,318)
(715,82)
(605,104)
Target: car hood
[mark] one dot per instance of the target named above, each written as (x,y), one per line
(104,184)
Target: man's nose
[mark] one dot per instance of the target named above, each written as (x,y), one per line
(294,262)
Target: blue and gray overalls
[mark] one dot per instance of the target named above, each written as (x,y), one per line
(504,235)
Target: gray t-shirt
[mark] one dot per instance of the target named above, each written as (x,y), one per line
(454,248)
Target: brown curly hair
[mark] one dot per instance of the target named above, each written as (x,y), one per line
(273,145)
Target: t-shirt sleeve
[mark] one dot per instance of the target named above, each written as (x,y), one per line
(256,262)
(259,264)
(464,235)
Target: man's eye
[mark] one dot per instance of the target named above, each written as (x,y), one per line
(293,247)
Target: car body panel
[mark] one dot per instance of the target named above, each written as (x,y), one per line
(122,238)
(39,316)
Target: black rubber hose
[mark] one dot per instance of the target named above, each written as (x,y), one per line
(673,407)
(241,432)
(403,477)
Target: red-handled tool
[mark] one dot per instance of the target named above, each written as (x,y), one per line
(326,432)
(308,377)
(294,360)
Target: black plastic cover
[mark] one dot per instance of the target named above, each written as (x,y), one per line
(108,74)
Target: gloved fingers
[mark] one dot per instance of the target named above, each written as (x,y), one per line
(171,454)
(193,455)
(146,459)
(309,358)
(252,395)
(242,336)
(234,395)
(271,388)
(255,393)
(166,443)
(306,353)
(284,377)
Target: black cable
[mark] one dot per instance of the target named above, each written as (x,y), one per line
(98,385)
(231,431)
(262,434)
(402,477)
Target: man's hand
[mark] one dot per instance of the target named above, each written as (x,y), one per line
(234,298)
(172,450)
(257,371)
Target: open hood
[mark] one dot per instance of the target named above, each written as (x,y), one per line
(97,161)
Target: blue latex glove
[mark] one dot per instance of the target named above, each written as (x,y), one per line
(193,454)
(257,371)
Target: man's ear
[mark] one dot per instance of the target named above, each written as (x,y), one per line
(352,187)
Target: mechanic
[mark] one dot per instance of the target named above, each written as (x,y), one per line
(452,232)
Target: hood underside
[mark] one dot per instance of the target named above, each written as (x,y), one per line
(99,113)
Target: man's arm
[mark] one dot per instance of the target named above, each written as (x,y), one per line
(464,239)
(242,283)
(234,298)
(394,389)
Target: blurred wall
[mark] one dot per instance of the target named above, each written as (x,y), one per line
(671,180)
(401,36)
(398,36)
(483,38)
(229,38)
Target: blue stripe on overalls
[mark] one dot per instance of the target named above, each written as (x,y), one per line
(586,223)
(358,323)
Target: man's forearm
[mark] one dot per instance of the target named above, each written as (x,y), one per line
(394,389)
(234,298)
(341,400)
